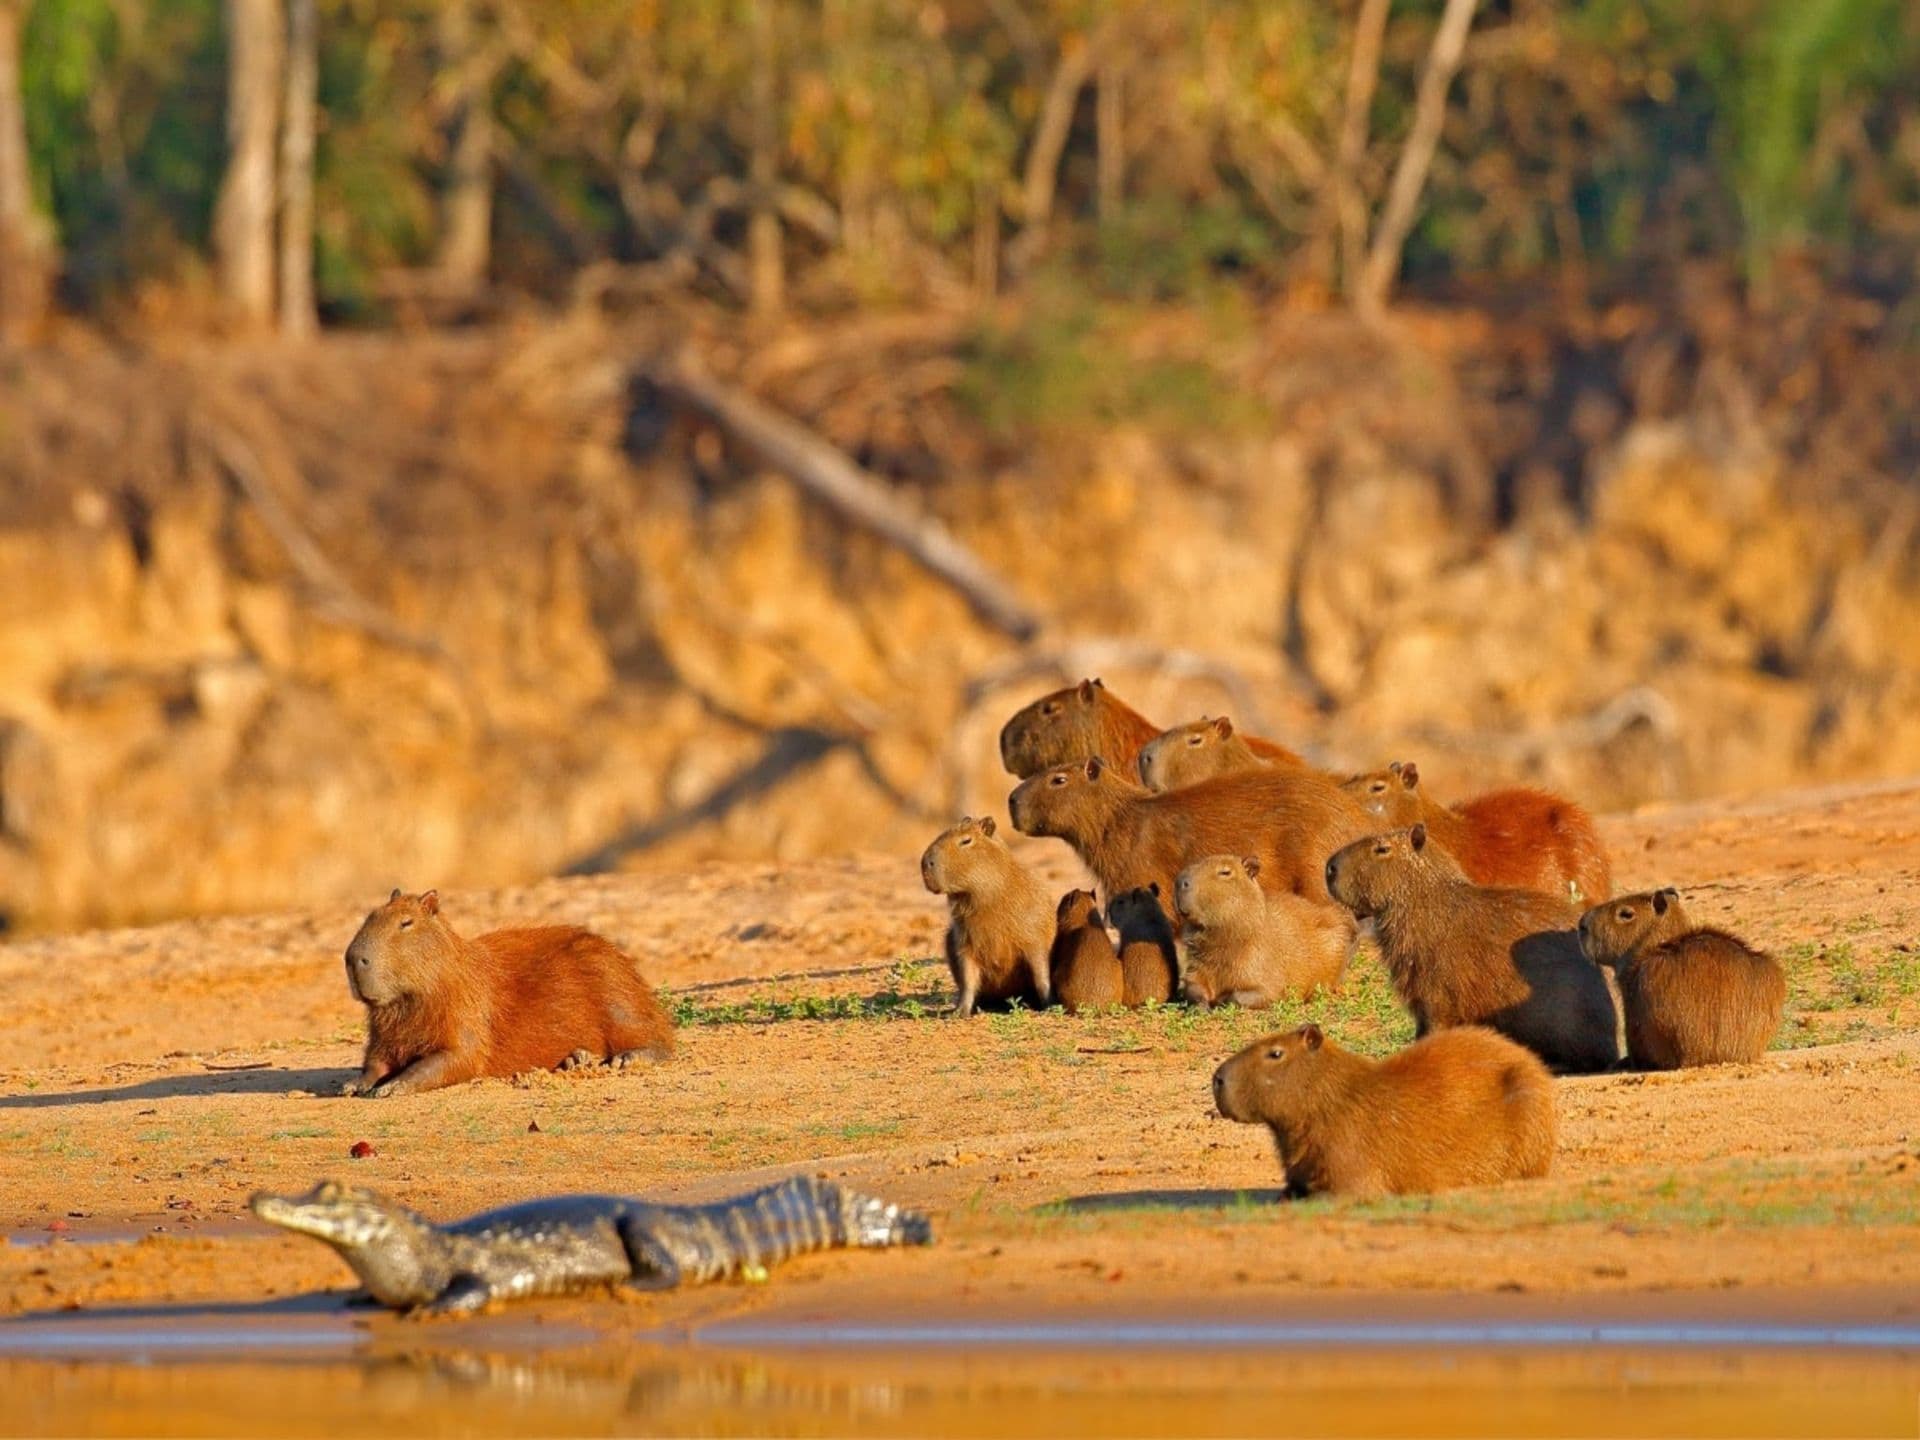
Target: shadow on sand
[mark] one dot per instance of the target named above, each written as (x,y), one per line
(1111,1200)
(267,1080)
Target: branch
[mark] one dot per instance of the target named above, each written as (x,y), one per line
(1410,175)
(1363,78)
(824,471)
(1050,135)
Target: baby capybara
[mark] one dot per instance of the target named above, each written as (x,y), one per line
(1085,720)
(1248,948)
(442,1009)
(1202,749)
(1086,969)
(1520,838)
(1292,818)
(1692,995)
(1461,1107)
(1001,924)
(1466,954)
(1149,961)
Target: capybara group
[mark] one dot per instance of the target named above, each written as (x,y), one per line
(1250,948)
(1691,995)
(1461,1107)
(1466,954)
(1149,960)
(1001,923)
(1086,968)
(1517,839)
(1291,818)
(442,1009)
(1083,721)
(1203,749)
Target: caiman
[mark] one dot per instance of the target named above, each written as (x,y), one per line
(574,1242)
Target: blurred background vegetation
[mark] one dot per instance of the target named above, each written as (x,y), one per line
(830,153)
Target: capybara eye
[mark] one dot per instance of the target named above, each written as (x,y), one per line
(1193,740)
(966,840)
(1382,849)
(1049,709)
(1276,1053)
(1623,913)
(406,924)
(1379,787)
(1058,780)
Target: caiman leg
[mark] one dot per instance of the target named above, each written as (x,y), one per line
(654,1267)
(465,1295)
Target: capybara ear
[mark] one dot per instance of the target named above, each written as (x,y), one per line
(988,825)
(1223,727)
(1250,864)
(1659,902)
(1409,774)
(1419,836)
(1154,887)
(1312,1034)
(1094,766)
(430,902)
(394,896)
(1086,690)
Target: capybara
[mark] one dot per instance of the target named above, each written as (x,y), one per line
(1249,948)
(442,1009)
(1086,968)
(1461,1107)
(1292,818)
(1002,923)
(1202,749)
(1519,838)
(1692,995)
(1466,954)
(1085,720)
(1149,962)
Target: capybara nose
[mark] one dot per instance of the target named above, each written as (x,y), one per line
(1333,872)
(1583,926)
(1219,1085)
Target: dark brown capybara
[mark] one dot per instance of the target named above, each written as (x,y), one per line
(1086,968)
(1149,960)
(1466,954)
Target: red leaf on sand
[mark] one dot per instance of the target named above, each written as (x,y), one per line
(362,1150)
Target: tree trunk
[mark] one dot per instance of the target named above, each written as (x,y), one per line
(764,240)
(27,255)
(1110,135)
(1410,175)
(1363,78)
(298,318)
(1050,135)
(465,251)
(244,215)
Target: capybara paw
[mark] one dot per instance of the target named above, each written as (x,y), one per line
(578,1060)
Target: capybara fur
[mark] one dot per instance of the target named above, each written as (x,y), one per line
(1082,721)
(1461,1107)
(1466,954)
(1291,818)
(1518,839)
(1149,961)
(1001,925)
(1249,948)
(1086,968)
(1202,749)
(1692,995)
(442,1009)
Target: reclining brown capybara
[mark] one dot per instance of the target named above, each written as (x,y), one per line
(1149,960)
(1292,819)
(1691,995)
(1086,968)
(1002,922)
(1518,838)
(1085,720)
(1203,749)
(442,1009)
(1249,948)
(1461,1107)
(1466,954)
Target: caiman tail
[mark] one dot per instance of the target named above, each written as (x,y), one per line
(798,1215)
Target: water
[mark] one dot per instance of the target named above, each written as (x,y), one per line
(303,1367)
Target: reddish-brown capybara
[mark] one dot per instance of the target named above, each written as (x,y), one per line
(1291,818)
(1001,925)
(1248,948)
(1461,1107)
(1149,961)
(442,1009)
(1692,995)
(1466,954)
(1086,968)
(1085,720)
(1519,838)
(1202,749)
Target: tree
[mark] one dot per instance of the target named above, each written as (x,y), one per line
(765,244)
(297,317)
(464,250)
(27,253)
(244,214)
